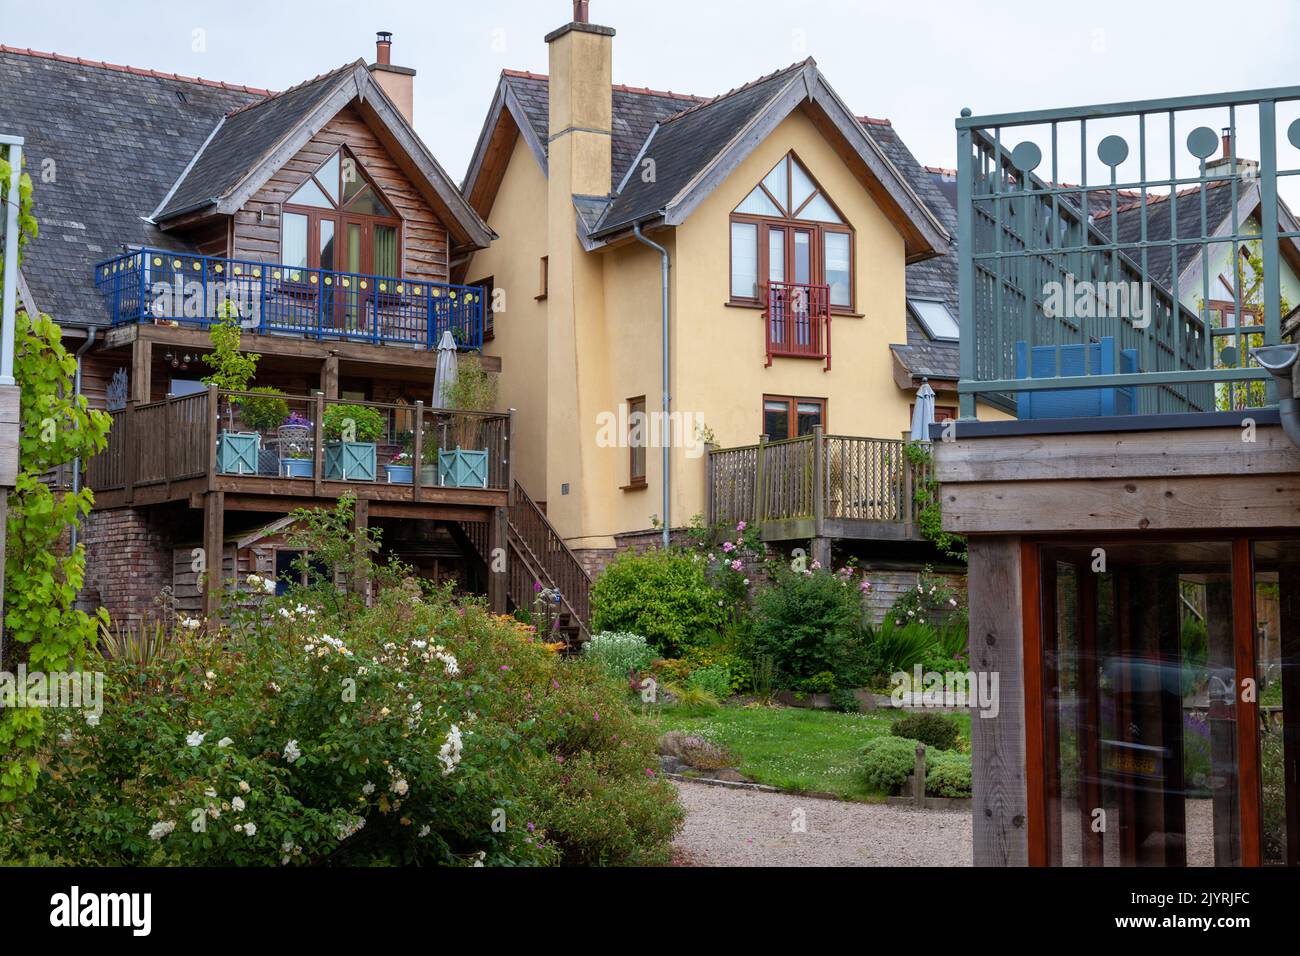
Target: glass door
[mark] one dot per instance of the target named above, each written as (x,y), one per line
(1140,732)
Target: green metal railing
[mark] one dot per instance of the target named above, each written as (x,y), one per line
(1145,215)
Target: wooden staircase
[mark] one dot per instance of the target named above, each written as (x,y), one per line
(538,555)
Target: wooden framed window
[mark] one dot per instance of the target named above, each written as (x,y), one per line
(787,230)
(637,433)
(339,220)
(787,416)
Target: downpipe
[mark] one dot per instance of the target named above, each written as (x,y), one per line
(663,255)
(1279,361)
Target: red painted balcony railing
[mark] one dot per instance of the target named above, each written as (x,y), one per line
(797,318)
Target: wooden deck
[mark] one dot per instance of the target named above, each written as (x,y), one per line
(817,487)
(168,451)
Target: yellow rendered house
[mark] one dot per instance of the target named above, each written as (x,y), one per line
(765,236)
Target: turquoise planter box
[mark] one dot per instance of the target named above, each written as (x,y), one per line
(399,474)
(297,468)
(237,452)
(463,469)
(350,461)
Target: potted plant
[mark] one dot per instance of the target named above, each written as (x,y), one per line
(295,438)
(297,461)
(264,414)
(400,469)
(429,457)
(232,370)
(475,389)
(350,435)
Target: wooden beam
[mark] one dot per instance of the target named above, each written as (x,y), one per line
(497,558)
(1191,452)
(141,370)
(1138,504)
(214,507)
(998,609)
(1243,627)
(329,376)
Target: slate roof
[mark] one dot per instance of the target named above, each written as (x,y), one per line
(1128,220)
(117,138)
(635,110)
(244,138)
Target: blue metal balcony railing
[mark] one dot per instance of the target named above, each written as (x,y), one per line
(1156,218)
(162,286)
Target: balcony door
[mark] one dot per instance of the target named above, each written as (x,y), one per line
(790,271)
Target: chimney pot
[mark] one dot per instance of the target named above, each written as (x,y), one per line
(580,12)
(383,47)
(1227,142)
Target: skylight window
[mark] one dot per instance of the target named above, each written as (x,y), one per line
(935,319)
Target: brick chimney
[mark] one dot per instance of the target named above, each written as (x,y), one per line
(1247,168)
(397,81)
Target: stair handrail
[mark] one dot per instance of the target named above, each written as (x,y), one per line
(579,604)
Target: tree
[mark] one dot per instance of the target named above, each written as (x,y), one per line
(42,576)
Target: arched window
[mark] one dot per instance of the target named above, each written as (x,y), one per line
(788,231)
(339,220)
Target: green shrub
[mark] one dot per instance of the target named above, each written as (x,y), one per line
(845,701)
(808,623)
(947,775)
(936,731)
(266,412)
(900,646)
(388,735)
(660,594)
(366,423)
(714,679)
(887,761)
(823,682)
(619,652)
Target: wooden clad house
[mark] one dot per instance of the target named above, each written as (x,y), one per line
(1134,538)
(720,269)
(319,218)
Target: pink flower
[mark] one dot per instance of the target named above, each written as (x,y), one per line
(597,713)
(741,526)
(816,565)
(728,547)
(864,587)
(505,667)
(649,772)
(737,565)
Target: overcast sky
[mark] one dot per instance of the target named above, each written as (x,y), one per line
(917,63)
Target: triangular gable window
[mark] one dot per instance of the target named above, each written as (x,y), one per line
(788,192)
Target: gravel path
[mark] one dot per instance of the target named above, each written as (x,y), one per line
(726,827)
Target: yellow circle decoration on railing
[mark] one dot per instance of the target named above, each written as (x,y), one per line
(217,268)
(418,290)
(362,283)
(344,282)
(329,280)
(238,271)
(197,265)
(276,275)
(157,261)
(105,270)
(435,292)
(257,273)
(176,263)
(383,287)
(399,289)
(313,278)
(295,276)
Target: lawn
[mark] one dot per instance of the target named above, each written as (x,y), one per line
(794,748)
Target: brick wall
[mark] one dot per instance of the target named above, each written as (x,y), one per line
(128,561)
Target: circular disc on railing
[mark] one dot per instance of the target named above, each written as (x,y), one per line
(1112,150)
(1293,133)
(1026,157)
(1229,356)
(1202,142)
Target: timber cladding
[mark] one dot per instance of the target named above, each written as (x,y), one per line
(424,240)
(1191,479)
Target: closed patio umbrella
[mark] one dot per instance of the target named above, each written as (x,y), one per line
(922,412)
(444,375)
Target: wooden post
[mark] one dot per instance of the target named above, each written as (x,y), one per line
(821,545)
(360,582)
(214,431)
(759,504)
(318,444)
(214,507)
(141,369)
(918,777)
(329,376)
(417,452)
(510,457)
(131,450)
(498,563)
(999,609)
(168,408)
(710,511)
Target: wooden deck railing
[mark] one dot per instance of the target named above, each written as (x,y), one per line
(818,477)
(540,546)
(180,439)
